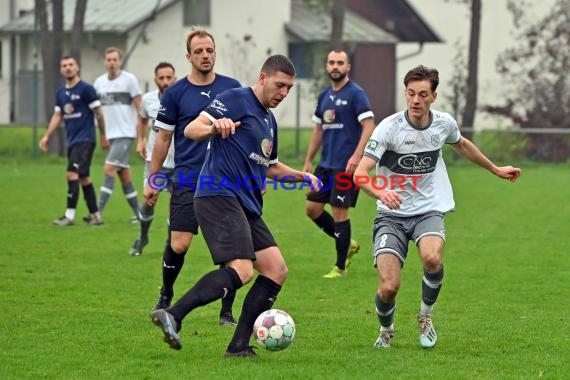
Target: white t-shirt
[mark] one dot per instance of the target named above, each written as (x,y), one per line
(149,109)
(116,97)
(413,157)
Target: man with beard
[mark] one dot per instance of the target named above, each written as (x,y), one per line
(182,103)
(75,104)
(164,76)
(243,145)
(344,123)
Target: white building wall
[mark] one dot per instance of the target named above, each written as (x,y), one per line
(451,21)
(243,42)
(20,5)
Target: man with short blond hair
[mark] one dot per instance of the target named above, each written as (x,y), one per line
(182,103)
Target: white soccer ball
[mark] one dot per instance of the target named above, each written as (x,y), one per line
(274,330)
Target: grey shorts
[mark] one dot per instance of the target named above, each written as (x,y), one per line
(119,152)
(391,234)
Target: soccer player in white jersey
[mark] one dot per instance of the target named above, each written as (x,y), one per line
(413,195)
(164,76)
(121,99)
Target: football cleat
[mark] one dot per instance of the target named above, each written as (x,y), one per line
(63,221)
(353,250)
(385,339)
(247,353)
(428,337)
(227,319)
(169,327)
(162,302)
(335,273)
(93,220)
(138,245)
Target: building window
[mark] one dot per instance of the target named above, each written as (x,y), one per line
(303,56)
(196,12)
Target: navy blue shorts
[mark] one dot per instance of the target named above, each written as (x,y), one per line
(229,231)
(338,188)
(79,158)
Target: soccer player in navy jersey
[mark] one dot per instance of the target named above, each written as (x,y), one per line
(409,145)
(343,123)
(243,144)
(182,102)
(76,104)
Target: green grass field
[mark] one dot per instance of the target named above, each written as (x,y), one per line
(76,305)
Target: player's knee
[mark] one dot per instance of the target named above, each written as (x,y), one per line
(389,290)
(280,274)
(313,212)
(72,176)
(243,269)
(110,170)
(432,261)
(179,245)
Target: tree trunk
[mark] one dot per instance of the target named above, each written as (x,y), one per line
(337,16)
(468,116)
(77,30)
(51,50)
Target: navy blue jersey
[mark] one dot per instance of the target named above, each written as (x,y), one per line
(340,113)
(182,102)
(76,105)
(237,165)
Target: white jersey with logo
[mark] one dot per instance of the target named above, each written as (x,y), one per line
(149,109)
(116,96)
(410,162)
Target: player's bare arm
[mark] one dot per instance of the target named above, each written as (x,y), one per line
(142,128)
(314,145)
(136,102)
(202,128)
(390,199)
(159,152)
(53,124)
(101,125)
(367,129)
(284,172)
(468,150)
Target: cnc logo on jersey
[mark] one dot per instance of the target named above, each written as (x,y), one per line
(219,106)
(415,163)
(372,144)
(328,116)
(266,147)
(340,102)
(435,140)
(68,108)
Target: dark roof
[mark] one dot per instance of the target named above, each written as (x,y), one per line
(397,17)
(118,16)
(309,24)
